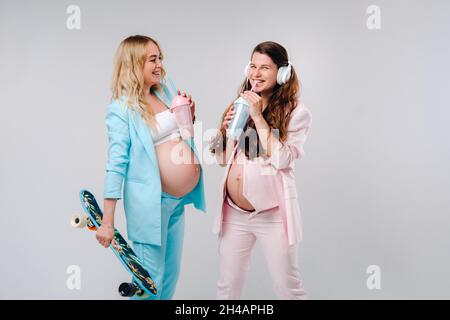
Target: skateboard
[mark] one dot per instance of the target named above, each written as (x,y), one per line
(142,283)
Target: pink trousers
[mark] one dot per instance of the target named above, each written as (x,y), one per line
(240,230)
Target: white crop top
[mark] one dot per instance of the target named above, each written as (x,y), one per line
(167,128)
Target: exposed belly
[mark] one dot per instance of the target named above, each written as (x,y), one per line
(235,181)
(178,166)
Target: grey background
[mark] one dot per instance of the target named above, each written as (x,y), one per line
(373,185)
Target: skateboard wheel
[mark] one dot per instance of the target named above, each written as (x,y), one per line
(127,289)
(78,221)
(130,289)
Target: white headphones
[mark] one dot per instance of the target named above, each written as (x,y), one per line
(283,75)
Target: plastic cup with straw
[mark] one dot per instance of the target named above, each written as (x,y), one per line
(242,112)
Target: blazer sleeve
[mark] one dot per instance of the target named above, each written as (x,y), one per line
(284,154)
(118,151)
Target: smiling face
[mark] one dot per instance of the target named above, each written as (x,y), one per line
(262,73)
(153,68)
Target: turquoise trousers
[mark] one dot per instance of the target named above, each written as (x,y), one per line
(163,262)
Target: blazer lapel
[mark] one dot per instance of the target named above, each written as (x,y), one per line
(143,133)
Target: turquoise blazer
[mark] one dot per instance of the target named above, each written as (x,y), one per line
(132,166)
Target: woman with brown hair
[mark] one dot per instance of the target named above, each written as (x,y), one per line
(258,193)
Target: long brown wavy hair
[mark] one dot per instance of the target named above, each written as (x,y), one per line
(282,102)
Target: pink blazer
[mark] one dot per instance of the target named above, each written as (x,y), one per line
(270,183)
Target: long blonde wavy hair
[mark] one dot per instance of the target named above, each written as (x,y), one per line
(128,77)
(282,102)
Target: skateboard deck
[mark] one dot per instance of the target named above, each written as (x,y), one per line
(143,282)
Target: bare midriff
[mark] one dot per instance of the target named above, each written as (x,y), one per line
(178,166)
(235,181)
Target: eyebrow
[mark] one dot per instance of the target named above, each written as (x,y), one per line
(154,56)
(263,65)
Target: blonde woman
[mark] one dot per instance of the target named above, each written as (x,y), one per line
(147,158)
(258,197)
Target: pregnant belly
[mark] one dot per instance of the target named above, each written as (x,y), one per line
(178,166)
(235,181)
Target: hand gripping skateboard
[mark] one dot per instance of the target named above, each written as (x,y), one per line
(142,282)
